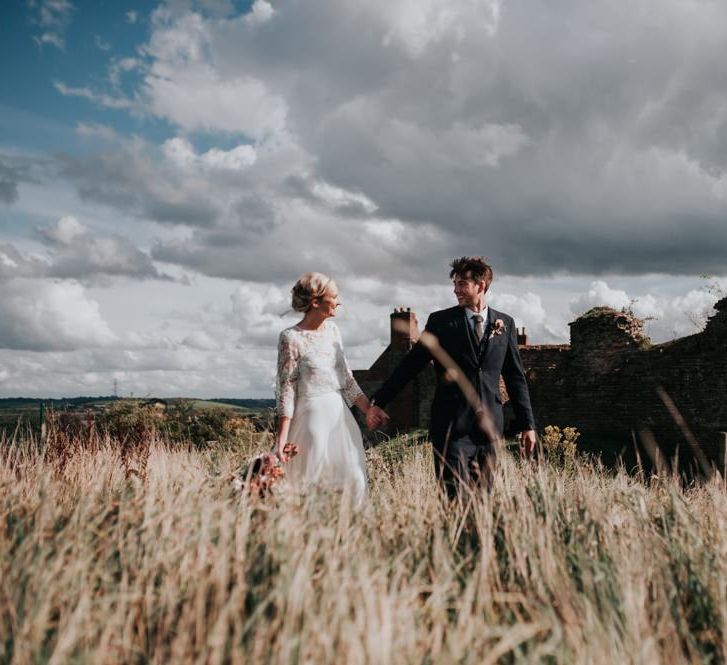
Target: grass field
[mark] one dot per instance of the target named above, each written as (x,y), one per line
(18,414)
(149,556)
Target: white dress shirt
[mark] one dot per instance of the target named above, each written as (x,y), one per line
(470,313)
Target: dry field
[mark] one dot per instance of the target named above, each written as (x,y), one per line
(147,556)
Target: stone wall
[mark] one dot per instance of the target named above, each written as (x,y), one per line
(627,397)
(631,398)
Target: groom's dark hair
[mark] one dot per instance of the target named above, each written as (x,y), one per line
(472,267)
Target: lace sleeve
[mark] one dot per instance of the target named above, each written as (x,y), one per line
(287,375)
(350,389)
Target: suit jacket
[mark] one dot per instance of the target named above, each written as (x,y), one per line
(452,416)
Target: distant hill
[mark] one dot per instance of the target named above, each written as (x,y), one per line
(255,404)
(12,407)
(14,410)
(20,402)
(7,403)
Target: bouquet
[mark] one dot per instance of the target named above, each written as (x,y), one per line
(262,472)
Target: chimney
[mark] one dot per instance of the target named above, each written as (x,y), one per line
(522,338)
(404,329)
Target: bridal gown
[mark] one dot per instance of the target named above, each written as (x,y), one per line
(314,387)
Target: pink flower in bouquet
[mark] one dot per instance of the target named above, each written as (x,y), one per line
(290,450)
(262,472)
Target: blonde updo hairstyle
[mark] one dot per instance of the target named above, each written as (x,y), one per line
(309,287)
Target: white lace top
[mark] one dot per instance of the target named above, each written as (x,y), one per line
(311,362)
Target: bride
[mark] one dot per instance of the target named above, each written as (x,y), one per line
(314,387)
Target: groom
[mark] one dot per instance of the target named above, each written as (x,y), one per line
(482,345)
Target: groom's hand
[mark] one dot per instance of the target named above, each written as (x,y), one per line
(528,439)
(375,417)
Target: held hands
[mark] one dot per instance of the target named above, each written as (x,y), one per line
(375,417)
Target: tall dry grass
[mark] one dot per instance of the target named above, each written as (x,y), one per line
(102,565)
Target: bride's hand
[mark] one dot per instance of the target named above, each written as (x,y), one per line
(280,451)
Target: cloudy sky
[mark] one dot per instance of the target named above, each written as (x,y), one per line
(168,170)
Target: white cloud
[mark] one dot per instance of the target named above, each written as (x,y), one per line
(44,315)
(261,12)
(337,197)
(131,177)
(18,169)
(7,260)
(94,130)
(16,264)
(236,159)
(185,87)
(242,105)
(201,340)
(542,327)
(76,252)
(181,153)
(485,145)
(257,312)
(53,18)
(225,347)
(600,294)
(183,374)
(666,316)
(420,23)
(688,313)
(131,16)
(101,43)
(52,38)
(102,99)
(65,231)
(118,67)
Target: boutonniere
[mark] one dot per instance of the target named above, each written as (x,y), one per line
(497,329)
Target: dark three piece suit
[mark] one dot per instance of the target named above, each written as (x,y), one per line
(461,448)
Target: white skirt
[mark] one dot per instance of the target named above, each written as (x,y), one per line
(330,447)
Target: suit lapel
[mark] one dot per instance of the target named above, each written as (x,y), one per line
(492,316)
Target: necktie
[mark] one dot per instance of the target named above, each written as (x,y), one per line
(479,327)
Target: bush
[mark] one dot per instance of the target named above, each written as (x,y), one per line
(130,420)
(559,446)
(181,422)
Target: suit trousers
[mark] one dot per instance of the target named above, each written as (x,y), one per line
(464,462)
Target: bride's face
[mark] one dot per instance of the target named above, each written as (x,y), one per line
(328,304)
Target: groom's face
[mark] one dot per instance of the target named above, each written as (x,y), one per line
(469,293)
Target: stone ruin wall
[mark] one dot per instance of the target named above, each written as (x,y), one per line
(630,397)
(624,394)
